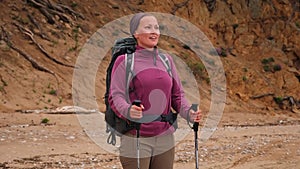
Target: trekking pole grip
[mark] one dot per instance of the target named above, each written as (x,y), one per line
(196,124)
(137,103)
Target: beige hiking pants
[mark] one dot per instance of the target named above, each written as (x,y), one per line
(155,152)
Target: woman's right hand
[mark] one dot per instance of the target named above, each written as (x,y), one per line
(136,112)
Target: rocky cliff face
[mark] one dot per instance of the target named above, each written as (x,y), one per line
(257,31)
(263,38)
(258,42)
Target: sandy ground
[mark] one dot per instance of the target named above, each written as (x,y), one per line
(62,143)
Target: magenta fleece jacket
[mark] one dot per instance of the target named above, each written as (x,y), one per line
(152,84)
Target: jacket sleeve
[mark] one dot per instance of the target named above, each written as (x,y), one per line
(117,95)
(178,100)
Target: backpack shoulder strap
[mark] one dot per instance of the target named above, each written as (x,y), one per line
(129,65)
(166,63)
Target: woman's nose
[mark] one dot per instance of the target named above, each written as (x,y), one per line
(154,30)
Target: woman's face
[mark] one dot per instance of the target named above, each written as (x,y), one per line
(147,33)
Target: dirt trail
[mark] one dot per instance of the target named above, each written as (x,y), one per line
(25,143)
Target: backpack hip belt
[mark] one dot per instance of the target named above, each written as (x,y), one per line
(170,118)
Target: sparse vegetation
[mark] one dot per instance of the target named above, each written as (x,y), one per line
(1,89)
(276,67)
(45,121)
(266,68)
(74,4)
(269,65)
(197,68)
(4,84)
(53,92)
(60,100)
(278,99)
(185,55)
(235,26)
(5,48)
(75,34)
(24,21)
(54,43)
(207,80)
(267,60)
(297,24)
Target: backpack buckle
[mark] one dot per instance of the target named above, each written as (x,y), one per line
(163,118)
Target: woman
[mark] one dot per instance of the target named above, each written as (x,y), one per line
(158,91)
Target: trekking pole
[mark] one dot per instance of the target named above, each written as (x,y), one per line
(195,128)
(138,144)
(137,127)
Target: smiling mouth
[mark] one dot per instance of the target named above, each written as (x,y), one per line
(153,37)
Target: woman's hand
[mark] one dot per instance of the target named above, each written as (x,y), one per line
(195,116)
(136,112)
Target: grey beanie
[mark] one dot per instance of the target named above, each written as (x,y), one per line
(135,21)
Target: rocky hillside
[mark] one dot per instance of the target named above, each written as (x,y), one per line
(257,40)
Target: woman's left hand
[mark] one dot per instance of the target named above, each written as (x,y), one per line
(195,116)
